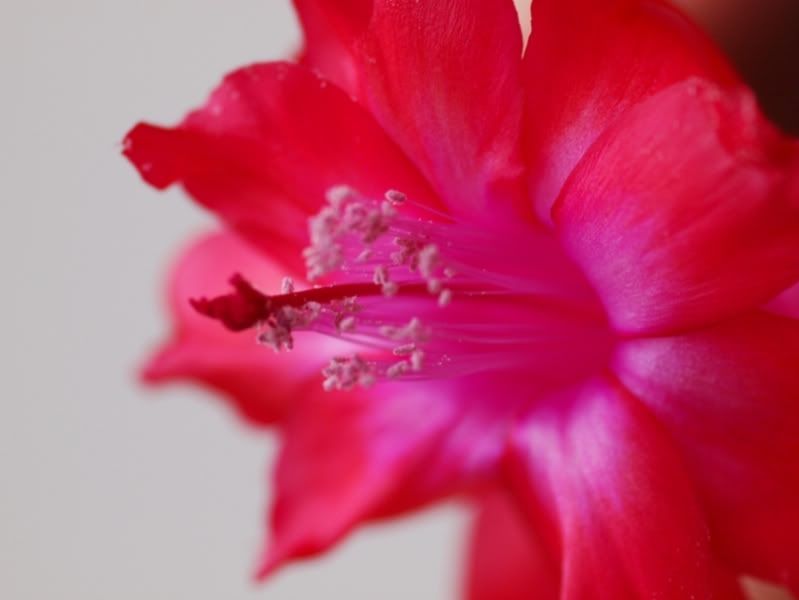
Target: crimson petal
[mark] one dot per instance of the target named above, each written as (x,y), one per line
(675,210)
(596,464)
(330,28)
(587,62)
(443,78)
(259,384)
(728,396)
(373,454)
(507,561)
(344,457)
(268,144)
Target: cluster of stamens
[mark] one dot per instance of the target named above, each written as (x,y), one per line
(395,271)
(346,372)
(379,254)
(348,234)
(349,217)
(346,215)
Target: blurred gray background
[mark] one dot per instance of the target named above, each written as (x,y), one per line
(111,491)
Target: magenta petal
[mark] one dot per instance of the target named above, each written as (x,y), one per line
(330,28)
(344,458)
(729,396)
(506,559)
(356,457)
(598,467)
(268,144)
(443,78)
(685,211)
(258,383)
(589,61)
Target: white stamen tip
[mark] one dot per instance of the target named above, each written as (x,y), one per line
(364,256)
(345,372)
(397,369)
(395,197)
(340,193)
(389,289)
(429,259)
(346,325)
(380,275)
(404,350)
(444,298)
(287,285)
(417,359)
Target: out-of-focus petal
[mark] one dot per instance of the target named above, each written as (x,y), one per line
(587,62)
(344,457)
(383,452)
(685,211)
(270,141)
(443,78)
(626,523)
(729,396)
(506,559)
(259,384)
(330,28)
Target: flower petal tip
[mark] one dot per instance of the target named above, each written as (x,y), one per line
(162,365)
(149,149)
(273,559)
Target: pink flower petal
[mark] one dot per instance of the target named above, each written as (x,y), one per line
(360,456)
(595,464)
(264,149)
(507,561)
(443,78)
(588,62)
(678,208)
(259,384)
(331,27)
(728,396)
(344,457)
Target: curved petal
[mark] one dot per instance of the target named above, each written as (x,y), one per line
(675,210)
(506,560)
(729,395)
(443,78)
(259,383)
(587,62)
(353,458)
(331,27)
(595,463)
(344,457)
(271,140)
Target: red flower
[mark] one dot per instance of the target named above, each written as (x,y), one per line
(576,313)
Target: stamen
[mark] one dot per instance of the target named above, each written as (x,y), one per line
(397,369)
(345,372)
(404,350)
(417,358)
(395,197)
(444,298)
(414,331)
(381,278)
(346,325)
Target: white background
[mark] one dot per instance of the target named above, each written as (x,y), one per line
(110,491)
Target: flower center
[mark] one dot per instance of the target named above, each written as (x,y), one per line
(424,295)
